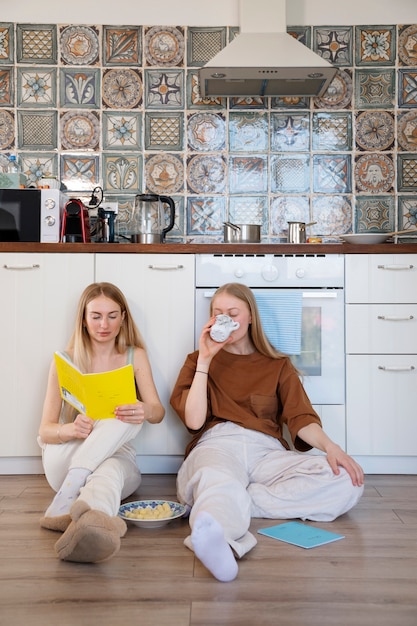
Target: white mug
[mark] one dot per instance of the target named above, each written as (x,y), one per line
(222,327)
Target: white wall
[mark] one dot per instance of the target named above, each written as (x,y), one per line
(204,12)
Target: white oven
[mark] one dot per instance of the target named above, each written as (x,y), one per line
(316,282)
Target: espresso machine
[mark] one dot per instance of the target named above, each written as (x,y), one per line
(153,217)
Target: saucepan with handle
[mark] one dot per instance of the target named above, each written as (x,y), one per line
(241,233)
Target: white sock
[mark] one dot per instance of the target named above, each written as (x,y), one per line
(212,549)
(68,493)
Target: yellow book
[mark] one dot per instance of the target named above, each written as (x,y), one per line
(95,395)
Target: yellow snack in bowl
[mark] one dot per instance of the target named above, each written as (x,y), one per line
(160,511)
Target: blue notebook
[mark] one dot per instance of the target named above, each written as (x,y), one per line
(301,535)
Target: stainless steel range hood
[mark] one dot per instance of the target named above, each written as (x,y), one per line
(264,60)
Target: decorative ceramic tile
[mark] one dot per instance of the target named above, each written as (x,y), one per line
(194,99)
(37,130)
(164,173)
(206,174)
(407,131)
(334,44)
(375,45)
(407,88)
(164,46)
(205,215)
(122,45)
(79,88)
(248,103)
(38,165)
(332,131)
(374,88)
(374,214)
(331,173)
(332,214)
(122,173)
(36,87)
(6,42)
(122,88)
(407,172)
(79,45)
(301,33)
(164,89)
(248,174)
(6,129)
(6,87)
(80,130)
(36,43)
(288,209)
(407,45)
(290,132)
(290,173)
(249,210)
(179,221)
(375,130)
(374,173)
(248,132)
(122,131)
(79,172)
(290,102)
(407,212)
(338,94)
(164,131)
(204,44)
(206,132)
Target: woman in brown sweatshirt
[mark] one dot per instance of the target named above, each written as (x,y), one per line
(235,397)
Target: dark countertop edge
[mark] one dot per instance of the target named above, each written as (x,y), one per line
(211,248)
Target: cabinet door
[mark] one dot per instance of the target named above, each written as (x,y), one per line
(160,291)
(37,314)
(381,278)
(381,405)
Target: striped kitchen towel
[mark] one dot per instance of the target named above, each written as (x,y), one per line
(281,316)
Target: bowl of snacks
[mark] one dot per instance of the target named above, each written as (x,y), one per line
(151,513)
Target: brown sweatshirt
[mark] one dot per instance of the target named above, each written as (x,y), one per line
(253,391)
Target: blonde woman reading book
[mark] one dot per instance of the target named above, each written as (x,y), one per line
(91,464)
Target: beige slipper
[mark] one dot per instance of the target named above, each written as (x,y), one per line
(59,522)
(92,536)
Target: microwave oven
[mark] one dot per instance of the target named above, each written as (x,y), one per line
(31,214)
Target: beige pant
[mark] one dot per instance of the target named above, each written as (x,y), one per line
(108,455)
(235,474)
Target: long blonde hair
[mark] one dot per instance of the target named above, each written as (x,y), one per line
(256,332)
(79,345)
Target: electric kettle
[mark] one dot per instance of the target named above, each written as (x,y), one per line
(150,218)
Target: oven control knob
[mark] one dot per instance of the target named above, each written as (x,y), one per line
(239,272)
(50,220)
(50,203)
(300,273)
(269,273)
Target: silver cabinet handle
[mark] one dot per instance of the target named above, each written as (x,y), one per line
(395,318)
(395,267)
(405,368)
(165,267)
(34,266)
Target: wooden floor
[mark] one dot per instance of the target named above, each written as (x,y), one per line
(368,578)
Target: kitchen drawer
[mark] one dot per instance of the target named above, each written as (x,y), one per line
(381,328)
(381,394)
(381,278)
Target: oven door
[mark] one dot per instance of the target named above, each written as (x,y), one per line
(321,359)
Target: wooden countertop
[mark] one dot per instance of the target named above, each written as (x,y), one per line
(210,248)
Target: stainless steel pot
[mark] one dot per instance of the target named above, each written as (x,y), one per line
(297,231)
(242,233)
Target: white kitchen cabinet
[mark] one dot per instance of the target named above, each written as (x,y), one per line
(381,361)
(40,293)
(160,291)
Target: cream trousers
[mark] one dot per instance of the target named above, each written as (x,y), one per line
(108,455)
(234,474)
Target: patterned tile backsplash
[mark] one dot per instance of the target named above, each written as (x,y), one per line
(119,107)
